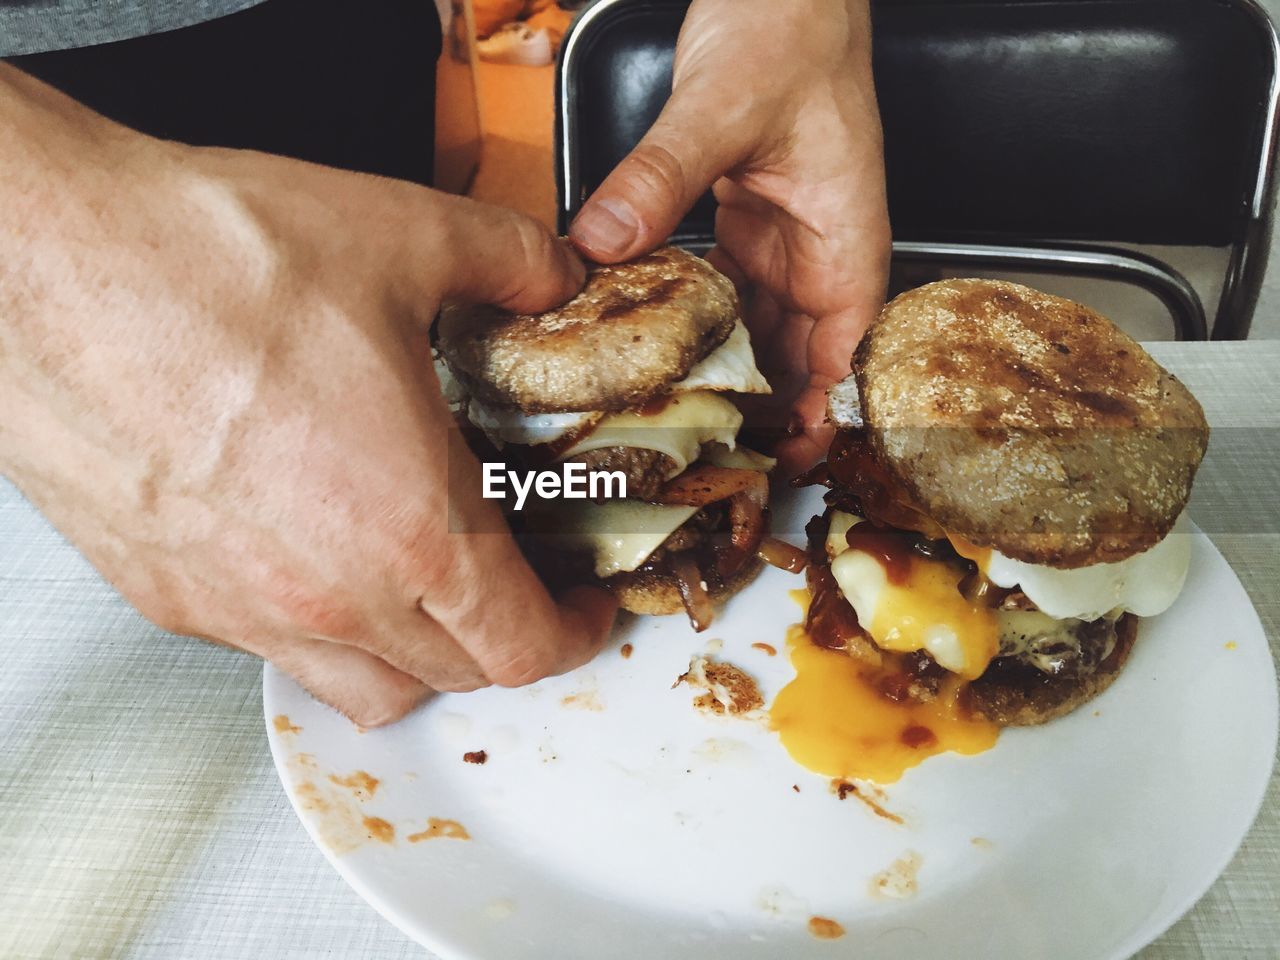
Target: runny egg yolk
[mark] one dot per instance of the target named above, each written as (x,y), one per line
(971,551)
(921,610)
(835,719)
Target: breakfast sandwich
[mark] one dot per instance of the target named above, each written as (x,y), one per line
(629,377)
(1005,489)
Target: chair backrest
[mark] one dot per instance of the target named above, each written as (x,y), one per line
(1006,122)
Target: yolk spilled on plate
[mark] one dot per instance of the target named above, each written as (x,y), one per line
(833,720)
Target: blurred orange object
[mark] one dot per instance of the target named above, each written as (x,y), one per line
(546,15)
(491,14)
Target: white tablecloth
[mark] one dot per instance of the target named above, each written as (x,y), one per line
(140,815)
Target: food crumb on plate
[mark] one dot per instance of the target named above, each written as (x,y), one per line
(824,928)
(898,880)
(982,843)
(379,829)
(728,688)
(282,724)
(360,783)
(500,909)
(625,650)
(780,903)
(583,700)
(437,827)
(475,756)
(768,649)
(868,794)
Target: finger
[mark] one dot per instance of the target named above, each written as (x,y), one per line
(489,599)
(355,683)
(834,337)
(414,643)
(694,141)
(488,254)
(812,434)
(507,621)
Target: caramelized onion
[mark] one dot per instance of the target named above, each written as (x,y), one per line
(816,476)
(703,483)
(977,589)
(781,554)
(852,466)
(831,621)
(746,513)
(747,492)
(693,594)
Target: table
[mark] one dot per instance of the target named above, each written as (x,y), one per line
(140,815)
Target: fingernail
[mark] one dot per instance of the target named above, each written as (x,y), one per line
(605,227)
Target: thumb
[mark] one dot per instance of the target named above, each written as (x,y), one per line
(643,199)
(489,254)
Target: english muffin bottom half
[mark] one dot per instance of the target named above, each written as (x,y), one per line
(630,380)
(1004,502)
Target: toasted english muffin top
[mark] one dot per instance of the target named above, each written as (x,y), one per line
(1028,423)
(635,328)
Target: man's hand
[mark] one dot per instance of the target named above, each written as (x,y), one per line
(773,105)
(215,380)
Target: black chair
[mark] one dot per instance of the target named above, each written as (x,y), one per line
(1018,135)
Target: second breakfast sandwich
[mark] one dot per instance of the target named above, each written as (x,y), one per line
(631,375)
(1007,472)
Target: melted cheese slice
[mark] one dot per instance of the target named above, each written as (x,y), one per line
(1145,584)
(619,534)
(679,429)
(622,534)
(736,458)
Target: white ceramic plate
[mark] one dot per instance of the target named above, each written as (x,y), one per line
(611,819)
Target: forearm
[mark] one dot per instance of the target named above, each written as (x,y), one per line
(98,265)
(110,241)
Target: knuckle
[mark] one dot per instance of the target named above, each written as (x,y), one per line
(657,170)
(446,578)
(327,617)
(312,612)
(534,241)
(524,665)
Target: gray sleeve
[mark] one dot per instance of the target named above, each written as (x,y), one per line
(37,26)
